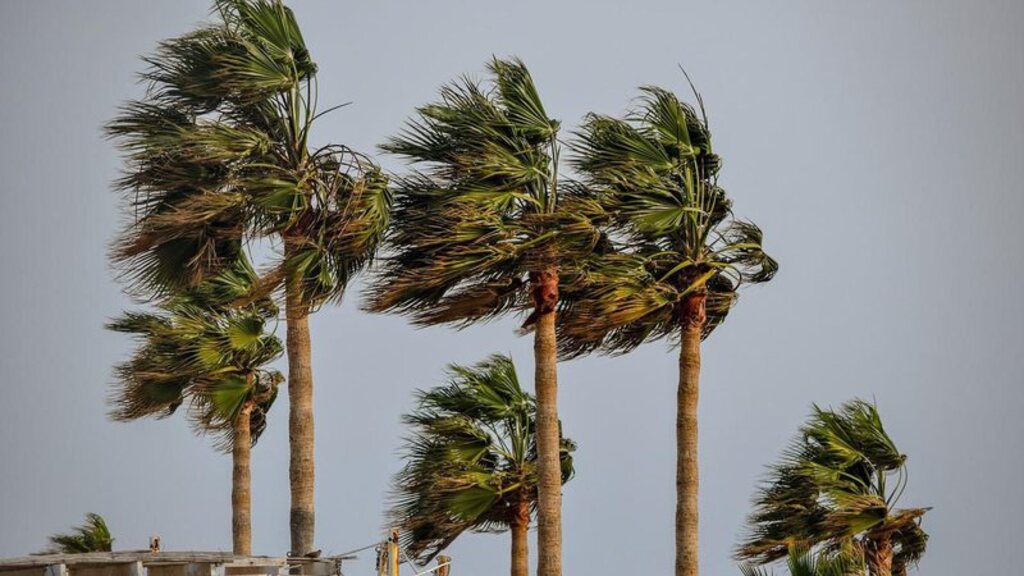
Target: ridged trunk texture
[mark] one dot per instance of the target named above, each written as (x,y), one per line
(549,492)
(687,477)
(878,554)
(300,420)
(241,484)
(521,541)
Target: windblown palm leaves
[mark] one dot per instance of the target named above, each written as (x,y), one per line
(655,175)
(484,211)
(93,536)
(470,460)
(838,485)
(217,154)
(803,562)
(198,352)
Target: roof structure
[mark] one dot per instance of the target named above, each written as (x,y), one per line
(148,563)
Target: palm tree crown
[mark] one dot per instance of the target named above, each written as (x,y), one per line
(654,174)
(838,485)
(471,459)
(218,153)
(93,536)
(484,216)
(197,351)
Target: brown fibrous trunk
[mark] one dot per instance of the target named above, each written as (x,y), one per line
(878,554)
(693,318)
(520,526)
(544,290)
(241,483)
(300,418)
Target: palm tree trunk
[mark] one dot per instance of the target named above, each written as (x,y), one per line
(521,540)
(300,419)
(687,478)
(549,497)
(241,484)
(878,554)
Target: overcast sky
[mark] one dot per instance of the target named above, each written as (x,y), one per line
(880,145)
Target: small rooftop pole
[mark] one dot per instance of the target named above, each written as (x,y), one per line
(393,553)
(444,565)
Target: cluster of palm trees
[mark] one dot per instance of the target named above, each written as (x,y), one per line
(638,243)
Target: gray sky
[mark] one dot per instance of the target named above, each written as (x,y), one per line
(878,144)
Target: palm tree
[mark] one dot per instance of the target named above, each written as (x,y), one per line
(218,155)
(480,229)
(671,264)
(803,562)
(837,486)
(212,357)
(93,536)
(471,462)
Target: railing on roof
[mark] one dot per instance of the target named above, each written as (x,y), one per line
(155,562)
(148,563)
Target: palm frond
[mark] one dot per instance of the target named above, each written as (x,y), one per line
(217,157)
(483,207)
(92,536)
(665,227)
(837,485)
(470,458)
(200,350)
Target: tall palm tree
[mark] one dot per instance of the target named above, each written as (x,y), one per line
(672,263)
(804,562)
(213,358)
(218,156)
(480,229)
(471,462)
(837,485)
(93,536)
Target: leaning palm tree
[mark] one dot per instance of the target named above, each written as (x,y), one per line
(837,486)
(804,562)
(672,263)
(93,536)
(213,358)
(481,229)
(219,156)
(471,462)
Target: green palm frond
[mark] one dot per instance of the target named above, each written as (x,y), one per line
(836,485)
(804,562)
(217,156)
(200,350)
(470,458)
(483,208)
(92,536)
(667,225)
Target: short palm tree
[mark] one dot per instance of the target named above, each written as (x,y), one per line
(93,536)
(482,228)
(804,562)
(471,462)
(837,486)
(672,263)
(213,358)
(219,156)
